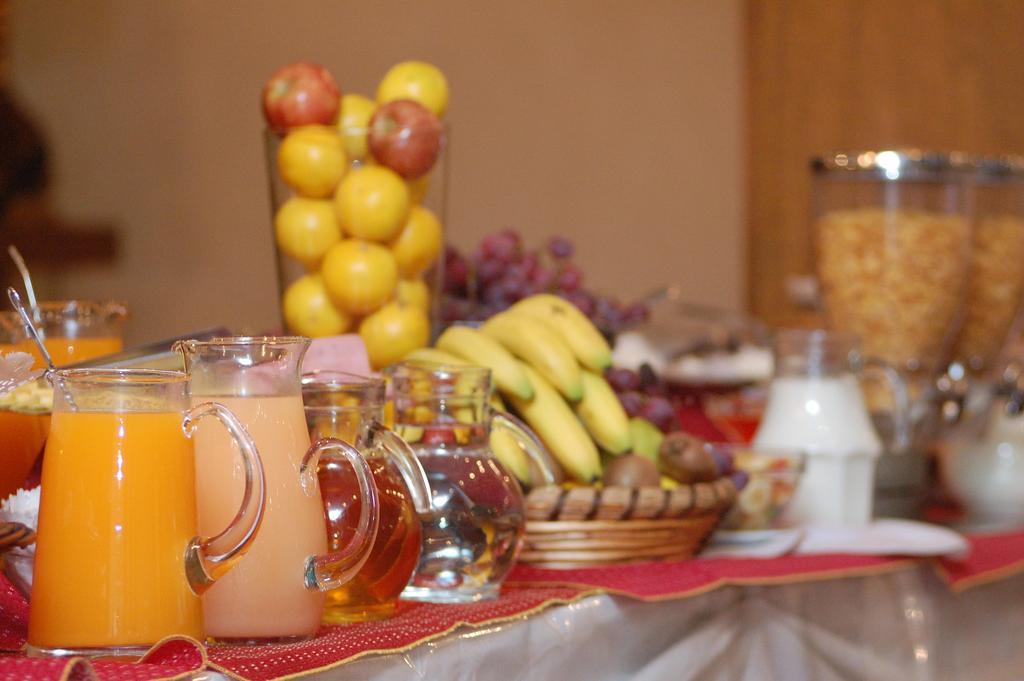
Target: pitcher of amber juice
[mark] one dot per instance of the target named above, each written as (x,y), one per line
(351,408)
(277,594)
(118,564)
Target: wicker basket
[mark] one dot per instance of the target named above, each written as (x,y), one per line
(587,526)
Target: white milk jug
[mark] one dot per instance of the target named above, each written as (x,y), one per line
(815,405)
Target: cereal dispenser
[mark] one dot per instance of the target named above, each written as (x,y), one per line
(982,457)
(997,267)
(893,248)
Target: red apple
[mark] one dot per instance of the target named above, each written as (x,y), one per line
(301,94)
(406,137)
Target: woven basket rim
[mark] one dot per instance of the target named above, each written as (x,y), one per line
(635,524)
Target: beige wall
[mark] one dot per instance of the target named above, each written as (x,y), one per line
(617,124)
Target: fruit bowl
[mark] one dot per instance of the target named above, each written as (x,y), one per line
(772,479)
(586,526)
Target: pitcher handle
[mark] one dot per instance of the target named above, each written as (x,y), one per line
(901,402)
(209,559)
(528,442)
(401,454)
(331,570)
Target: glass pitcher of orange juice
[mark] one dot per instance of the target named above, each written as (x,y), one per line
(118,564)
(351,407)
(72,330)
(276,595)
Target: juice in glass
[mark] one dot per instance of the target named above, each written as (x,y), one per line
(73,330)
(118,565)
(66,351)
(120,489)
(264,597)
(22,437)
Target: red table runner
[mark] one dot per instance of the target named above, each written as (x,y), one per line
(528,591)
(414,624)
(681,579)
(992,557)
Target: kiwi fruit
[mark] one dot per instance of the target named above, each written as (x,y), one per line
(683,457)
(632,470)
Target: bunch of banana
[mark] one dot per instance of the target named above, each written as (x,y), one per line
(546,359)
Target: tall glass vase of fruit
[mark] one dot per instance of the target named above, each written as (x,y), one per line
(357,188)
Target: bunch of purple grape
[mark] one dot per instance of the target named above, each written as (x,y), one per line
(642,393)
(502,271)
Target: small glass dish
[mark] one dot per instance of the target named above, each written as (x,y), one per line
(771,479)
(696,349)
(73,330)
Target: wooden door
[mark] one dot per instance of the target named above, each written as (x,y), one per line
(865,74)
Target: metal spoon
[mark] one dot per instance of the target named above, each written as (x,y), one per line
(30,291)
(51,368)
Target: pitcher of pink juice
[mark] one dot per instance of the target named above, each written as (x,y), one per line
(276,594)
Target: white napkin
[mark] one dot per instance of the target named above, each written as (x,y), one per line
(882,537)
(16,369)
(886,537)
(766,544)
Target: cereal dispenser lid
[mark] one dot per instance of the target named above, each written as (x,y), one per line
(1002,166)
(893,164)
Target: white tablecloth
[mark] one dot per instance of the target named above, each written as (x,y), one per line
(900,626)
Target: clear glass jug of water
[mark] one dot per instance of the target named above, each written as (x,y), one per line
(472,534)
